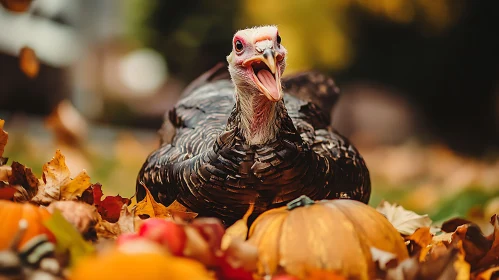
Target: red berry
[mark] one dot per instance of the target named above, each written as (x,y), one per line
(166,233)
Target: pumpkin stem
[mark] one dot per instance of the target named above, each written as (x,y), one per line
(300,202)
(23,226)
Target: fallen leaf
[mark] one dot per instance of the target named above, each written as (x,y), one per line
(149,208)
(239,230)
(69,126)
(5,173)
(422,237)
(447,266)
(452,224)
(492,255)
(405,221)
(110,207)
(68,238)
(82,216)
(475,244)
(17,6)
(28,62)
(489,274)
(127,223)
(7,193)
(4,137)
(56,183)
(240,257)
(383,259)
(24,177)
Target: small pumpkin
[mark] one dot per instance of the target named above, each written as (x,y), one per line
(10,215)
(142,265)
(331,235)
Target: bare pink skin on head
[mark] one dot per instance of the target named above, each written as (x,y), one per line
(256,64)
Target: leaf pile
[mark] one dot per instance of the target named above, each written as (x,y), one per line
(91,229)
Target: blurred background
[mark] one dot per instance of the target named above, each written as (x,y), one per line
(419,81)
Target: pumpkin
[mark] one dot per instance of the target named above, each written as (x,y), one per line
(145,265)
(10,215)
(329,235)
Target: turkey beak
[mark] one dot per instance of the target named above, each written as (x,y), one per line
(269,58)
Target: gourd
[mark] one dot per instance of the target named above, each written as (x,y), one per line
(331,235)
(10,215)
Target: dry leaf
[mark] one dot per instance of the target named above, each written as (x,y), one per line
(82,216)
(127,223)
(489,274)
(68,125)
(405,221)
(475,244)
(492,255)
(4,137)
(447,266)
(7,193)
(24,177)
(56,183)
(239,230)
(110,207)
(383,259)
(5,173)
(28,62)
(421,236)
(149,208)
(17,6)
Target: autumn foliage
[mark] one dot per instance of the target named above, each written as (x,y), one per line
(65,227)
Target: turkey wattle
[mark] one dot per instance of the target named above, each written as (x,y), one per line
(252,138)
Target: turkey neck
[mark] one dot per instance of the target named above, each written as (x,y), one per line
(259,118)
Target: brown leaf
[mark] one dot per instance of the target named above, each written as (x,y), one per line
(492,255)
(149,208)
(68,125)
(450,265)
(82,216)
(453,224)
(56,183)
(475,244)
(17,6)
(405,221)
(28,62)
(23,176)
(4,137)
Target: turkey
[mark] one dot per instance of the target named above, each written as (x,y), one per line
(246,136)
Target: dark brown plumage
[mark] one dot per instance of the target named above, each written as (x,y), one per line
(205,163)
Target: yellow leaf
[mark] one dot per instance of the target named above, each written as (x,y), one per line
(239,230)
(149,207)
(56,183)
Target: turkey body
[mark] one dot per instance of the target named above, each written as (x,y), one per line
(205,163)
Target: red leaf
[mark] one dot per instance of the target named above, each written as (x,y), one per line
(97,192)
(110,207)
(7,193)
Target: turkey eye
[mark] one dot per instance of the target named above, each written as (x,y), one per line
(278,39)
(239,46)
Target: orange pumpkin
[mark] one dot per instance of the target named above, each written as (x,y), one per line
(10,215)
(331,235)
(153,265)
